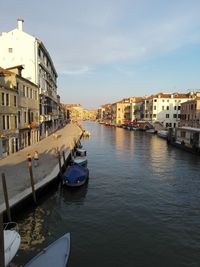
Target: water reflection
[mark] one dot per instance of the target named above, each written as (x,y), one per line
(32,230)
(141,206)
(74,195)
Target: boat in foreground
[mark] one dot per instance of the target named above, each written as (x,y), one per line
(56,254)
(12,242)
(75,175)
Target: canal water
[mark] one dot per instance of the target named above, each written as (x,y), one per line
(141,206)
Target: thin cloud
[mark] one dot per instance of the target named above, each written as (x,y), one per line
(80,71)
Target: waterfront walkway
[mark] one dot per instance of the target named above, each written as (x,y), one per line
(16,169)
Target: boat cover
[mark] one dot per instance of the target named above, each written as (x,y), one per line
(75,173)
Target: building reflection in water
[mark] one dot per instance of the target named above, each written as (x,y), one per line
(124,140)
(31,230)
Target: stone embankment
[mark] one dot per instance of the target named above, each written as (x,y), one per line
(15,166)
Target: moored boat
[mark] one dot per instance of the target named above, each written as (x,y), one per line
(12,242)
(56,254)
(79,160)
(80,152)
(75,175)
(163,134)
(151,131)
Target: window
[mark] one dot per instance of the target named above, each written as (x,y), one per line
(163,108)
(7,99)
(19,114)
(25,117)
(167,116)
(154,115)
(15,122)
(183,134)
(174,107)
(8,122)
(175,116)
(10,50)
(27,92)
(2,99)
(35,95)
(4,122)
(179,107)
(167,107)
(163,100)
(154,107)
(15,100)
(24,90)
(155,100)
(31,93)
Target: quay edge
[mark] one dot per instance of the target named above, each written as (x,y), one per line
(49,183)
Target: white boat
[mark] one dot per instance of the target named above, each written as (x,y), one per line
(151,131)
(79,160)
(55,255)
(162,133)
(80,152)
(12,242)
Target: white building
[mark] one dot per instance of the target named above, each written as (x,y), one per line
(19,48)
(165,108)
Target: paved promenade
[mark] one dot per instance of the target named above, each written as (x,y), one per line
(16,169)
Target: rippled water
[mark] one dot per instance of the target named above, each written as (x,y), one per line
(141,206)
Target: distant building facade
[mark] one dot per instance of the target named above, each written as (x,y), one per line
(165,108)
(190,112)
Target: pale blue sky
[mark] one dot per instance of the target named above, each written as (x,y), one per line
(110,49)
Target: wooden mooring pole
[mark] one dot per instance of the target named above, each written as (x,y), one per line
(2,256)
(64,158)
(31,176)
(59,161)
(5,191)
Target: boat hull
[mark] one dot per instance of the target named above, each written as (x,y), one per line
(56,254)
(12,242)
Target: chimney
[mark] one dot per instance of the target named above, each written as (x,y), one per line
(20,24)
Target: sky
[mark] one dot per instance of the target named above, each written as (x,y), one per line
(107,50)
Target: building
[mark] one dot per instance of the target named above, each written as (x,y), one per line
(136,109)
(104,113)
(188,137)
(120,112)
(9,133)
(165,108)
(20,48)
(190,112)
(75,111)
(19,111)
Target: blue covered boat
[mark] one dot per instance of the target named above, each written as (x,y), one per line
(75,175)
